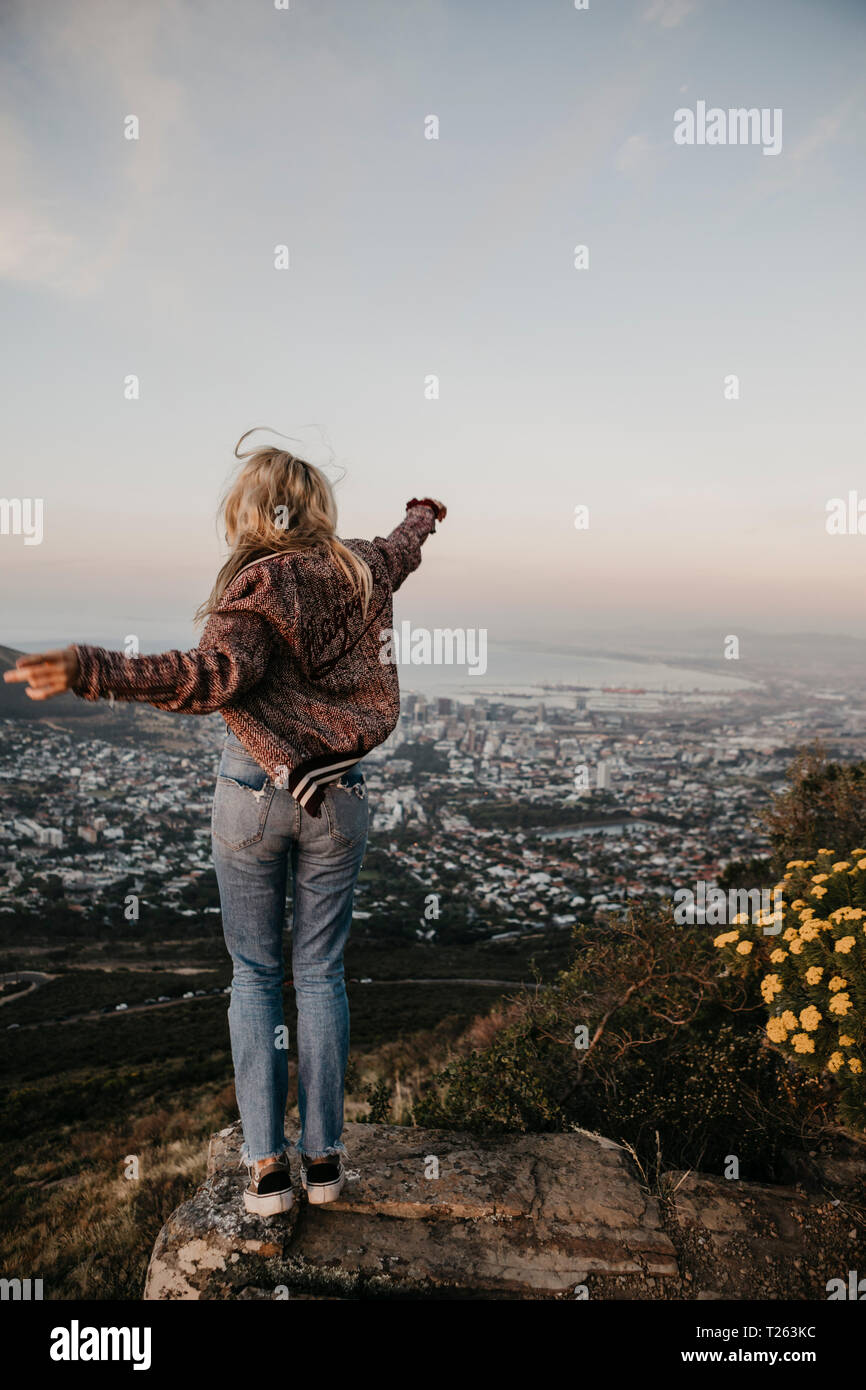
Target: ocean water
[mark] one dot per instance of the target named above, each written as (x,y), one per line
(610,828)
(525,671)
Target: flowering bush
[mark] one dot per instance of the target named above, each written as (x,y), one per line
(813,970)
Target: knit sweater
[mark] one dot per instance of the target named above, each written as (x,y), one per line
(288,659)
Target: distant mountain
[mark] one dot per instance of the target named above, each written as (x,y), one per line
(816,658)
(14,704)
(125,722)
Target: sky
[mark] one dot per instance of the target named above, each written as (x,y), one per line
(412,257)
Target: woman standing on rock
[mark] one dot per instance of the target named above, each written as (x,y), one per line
(290,657)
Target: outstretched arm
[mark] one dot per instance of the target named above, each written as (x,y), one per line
(233,655)
(402,549)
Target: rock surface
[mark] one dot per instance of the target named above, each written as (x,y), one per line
(746,1240)
(429,1213)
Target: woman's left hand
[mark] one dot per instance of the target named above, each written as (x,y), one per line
(46,673)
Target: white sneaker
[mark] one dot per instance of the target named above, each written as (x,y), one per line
(323,1180)
(270,1193)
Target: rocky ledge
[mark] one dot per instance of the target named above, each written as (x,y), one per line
(433,1213)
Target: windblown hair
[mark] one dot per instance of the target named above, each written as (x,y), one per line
(279,504)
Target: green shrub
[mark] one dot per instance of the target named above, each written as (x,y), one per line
(825,804)
(671,1047)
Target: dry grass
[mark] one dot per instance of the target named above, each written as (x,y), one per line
(72,1218)
(76,1221)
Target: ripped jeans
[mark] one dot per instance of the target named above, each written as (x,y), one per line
(258,831)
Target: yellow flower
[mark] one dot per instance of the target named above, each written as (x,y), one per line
(813,974)
(808,931)
(745,947)
(840,1004)
(845,1041)
(861,863)
(776,1030)
(796,946)
(819,878)
(740,920)
(803,1043)
(771,985)
(789,934)
(837,982)
(843,864)
(846,944)
(856,1065)
(835,1061)
(778,956)
(810,1018)
(789,1019)
(798,903)
(825,851)
(818,892)
(726,938)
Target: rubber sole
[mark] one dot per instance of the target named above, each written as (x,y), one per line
(269,1204)
(320,1192)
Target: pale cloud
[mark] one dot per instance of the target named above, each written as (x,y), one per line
(640,158)
(635,155)
(802,162)
(823,132)
(669,13)
(33,239)
(51,236)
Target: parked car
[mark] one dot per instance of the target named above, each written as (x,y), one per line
(12,1025)
(164,999)
(120,1006)
(189,995)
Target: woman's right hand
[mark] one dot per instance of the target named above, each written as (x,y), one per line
(439,509)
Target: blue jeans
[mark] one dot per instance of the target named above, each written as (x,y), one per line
(258,830)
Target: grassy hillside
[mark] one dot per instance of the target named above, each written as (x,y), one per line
(84,1096)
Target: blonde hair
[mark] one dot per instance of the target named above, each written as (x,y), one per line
(278,504)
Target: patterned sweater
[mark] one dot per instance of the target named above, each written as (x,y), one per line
(288,659)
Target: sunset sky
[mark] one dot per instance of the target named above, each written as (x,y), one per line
(453,257)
